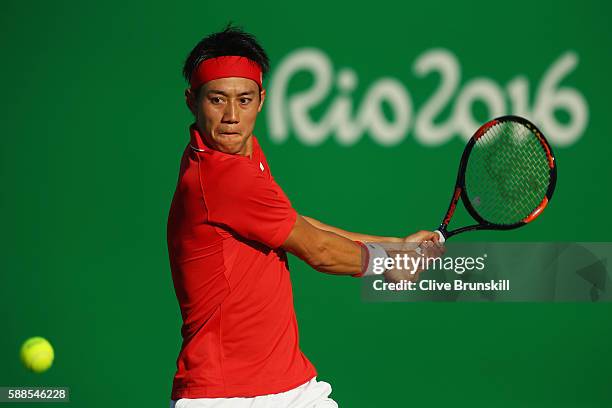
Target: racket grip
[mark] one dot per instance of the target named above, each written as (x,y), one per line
(441,239)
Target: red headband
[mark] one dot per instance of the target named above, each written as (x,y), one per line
(225,67)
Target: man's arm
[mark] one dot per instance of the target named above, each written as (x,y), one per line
(323,250)
(330,252)
(351,235)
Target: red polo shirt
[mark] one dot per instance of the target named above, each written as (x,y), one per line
(226,223)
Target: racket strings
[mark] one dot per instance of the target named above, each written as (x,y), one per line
(507,174)
(512,194)
(507,188)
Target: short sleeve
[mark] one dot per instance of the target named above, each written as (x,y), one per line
(239,197)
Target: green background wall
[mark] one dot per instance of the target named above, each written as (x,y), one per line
(93,124)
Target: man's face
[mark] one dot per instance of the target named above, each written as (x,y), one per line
(225,111)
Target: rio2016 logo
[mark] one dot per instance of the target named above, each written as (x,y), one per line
(290,112)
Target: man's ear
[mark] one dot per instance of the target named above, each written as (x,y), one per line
(190,100)
(262,97)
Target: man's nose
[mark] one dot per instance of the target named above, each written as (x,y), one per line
(230,115)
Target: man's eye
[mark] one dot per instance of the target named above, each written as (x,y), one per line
(215,100)
(244,101)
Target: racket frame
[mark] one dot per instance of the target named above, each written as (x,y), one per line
(460,190)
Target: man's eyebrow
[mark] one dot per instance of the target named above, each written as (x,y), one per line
(216,91)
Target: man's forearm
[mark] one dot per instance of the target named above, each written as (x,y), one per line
(324,250)
(354,236)
(335,251)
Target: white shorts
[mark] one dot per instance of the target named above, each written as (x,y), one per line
(313,394)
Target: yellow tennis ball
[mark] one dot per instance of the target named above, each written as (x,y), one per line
(37,354)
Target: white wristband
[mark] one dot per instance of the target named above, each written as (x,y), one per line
(375,251)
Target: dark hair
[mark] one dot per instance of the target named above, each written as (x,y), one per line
(231,41)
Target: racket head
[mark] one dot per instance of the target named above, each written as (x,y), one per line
(507,176)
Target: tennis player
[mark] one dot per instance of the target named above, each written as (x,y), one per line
(229,228)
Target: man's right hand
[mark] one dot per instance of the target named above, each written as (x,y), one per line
(422,236)
(430,247)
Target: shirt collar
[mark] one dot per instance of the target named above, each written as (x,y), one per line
(196,141)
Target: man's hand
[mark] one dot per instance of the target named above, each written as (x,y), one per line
(422,236)
(413,261)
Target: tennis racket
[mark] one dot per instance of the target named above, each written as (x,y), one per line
(506,177)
